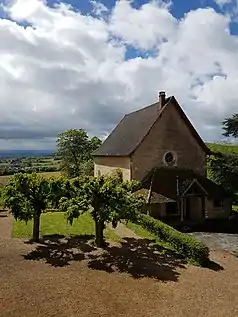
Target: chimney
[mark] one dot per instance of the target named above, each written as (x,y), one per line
(161,99)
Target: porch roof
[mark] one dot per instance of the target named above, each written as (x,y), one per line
(154,197)
(170,182)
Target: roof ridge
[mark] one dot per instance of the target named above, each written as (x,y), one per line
(138,110)
(132,129)
(146,107)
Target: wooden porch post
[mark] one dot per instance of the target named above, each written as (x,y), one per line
(181,209)
(203,208)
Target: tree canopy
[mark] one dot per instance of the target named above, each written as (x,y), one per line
(224,167)
(224,171)
(108,198)
(230,126)
(75,150)
(26,196)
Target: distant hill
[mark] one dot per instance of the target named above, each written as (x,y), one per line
(223,147)
(24,153)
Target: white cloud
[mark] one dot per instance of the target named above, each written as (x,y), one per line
(221,3)
(145,27)
(98,7)
(61,69)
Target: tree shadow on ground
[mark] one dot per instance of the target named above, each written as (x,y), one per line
(139,258)
(136,257)
(58,250)
(3,216)
(213,266)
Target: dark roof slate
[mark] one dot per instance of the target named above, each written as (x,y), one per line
(128,134)
(165,182)
(155,198)
(132,129)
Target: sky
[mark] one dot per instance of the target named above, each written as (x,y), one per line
(84,64)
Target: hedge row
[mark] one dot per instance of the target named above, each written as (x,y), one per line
(185,245)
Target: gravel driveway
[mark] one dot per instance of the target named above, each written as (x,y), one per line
(71,280)
(219,241)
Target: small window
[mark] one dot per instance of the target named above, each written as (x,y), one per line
(169,158)
(218,203)
(171,209)
(99,173)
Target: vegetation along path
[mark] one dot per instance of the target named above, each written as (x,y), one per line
(73,278)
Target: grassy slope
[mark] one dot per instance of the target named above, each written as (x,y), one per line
(55,223)
(143,233)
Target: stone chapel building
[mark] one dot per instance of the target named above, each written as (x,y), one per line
(159,146)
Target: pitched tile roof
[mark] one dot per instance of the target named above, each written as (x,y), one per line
(155,197)
(164,182)
(133,128)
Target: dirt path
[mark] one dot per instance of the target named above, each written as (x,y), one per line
(5,225)
(72,279)
(122,231)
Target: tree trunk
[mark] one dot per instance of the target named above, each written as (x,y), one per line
(36,227)
(99,227)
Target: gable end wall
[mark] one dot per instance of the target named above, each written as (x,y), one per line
(169,133)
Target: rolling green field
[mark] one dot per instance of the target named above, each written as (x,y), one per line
(223,148)
(40,164)
(4,178)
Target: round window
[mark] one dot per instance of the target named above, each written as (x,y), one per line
(169,157)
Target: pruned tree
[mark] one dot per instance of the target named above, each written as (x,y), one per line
(107,198)
(75,150)
(26,196)
(58,188)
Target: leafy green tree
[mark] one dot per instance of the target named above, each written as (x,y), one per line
(223,167)
(224,171)
(58,188)
(26,196)
(75,149)
(230,126)
(94,144)
(108,198)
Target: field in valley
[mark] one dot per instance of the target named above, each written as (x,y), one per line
(4,178)
(223,148)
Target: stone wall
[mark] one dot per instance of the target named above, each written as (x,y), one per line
(107,165)
(213,212)
(170,133)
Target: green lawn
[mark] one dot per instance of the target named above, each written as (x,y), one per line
(235,208)
(55,223)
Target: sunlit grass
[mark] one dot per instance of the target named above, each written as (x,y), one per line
(56,223)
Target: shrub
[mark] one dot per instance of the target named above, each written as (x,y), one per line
(185,245)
